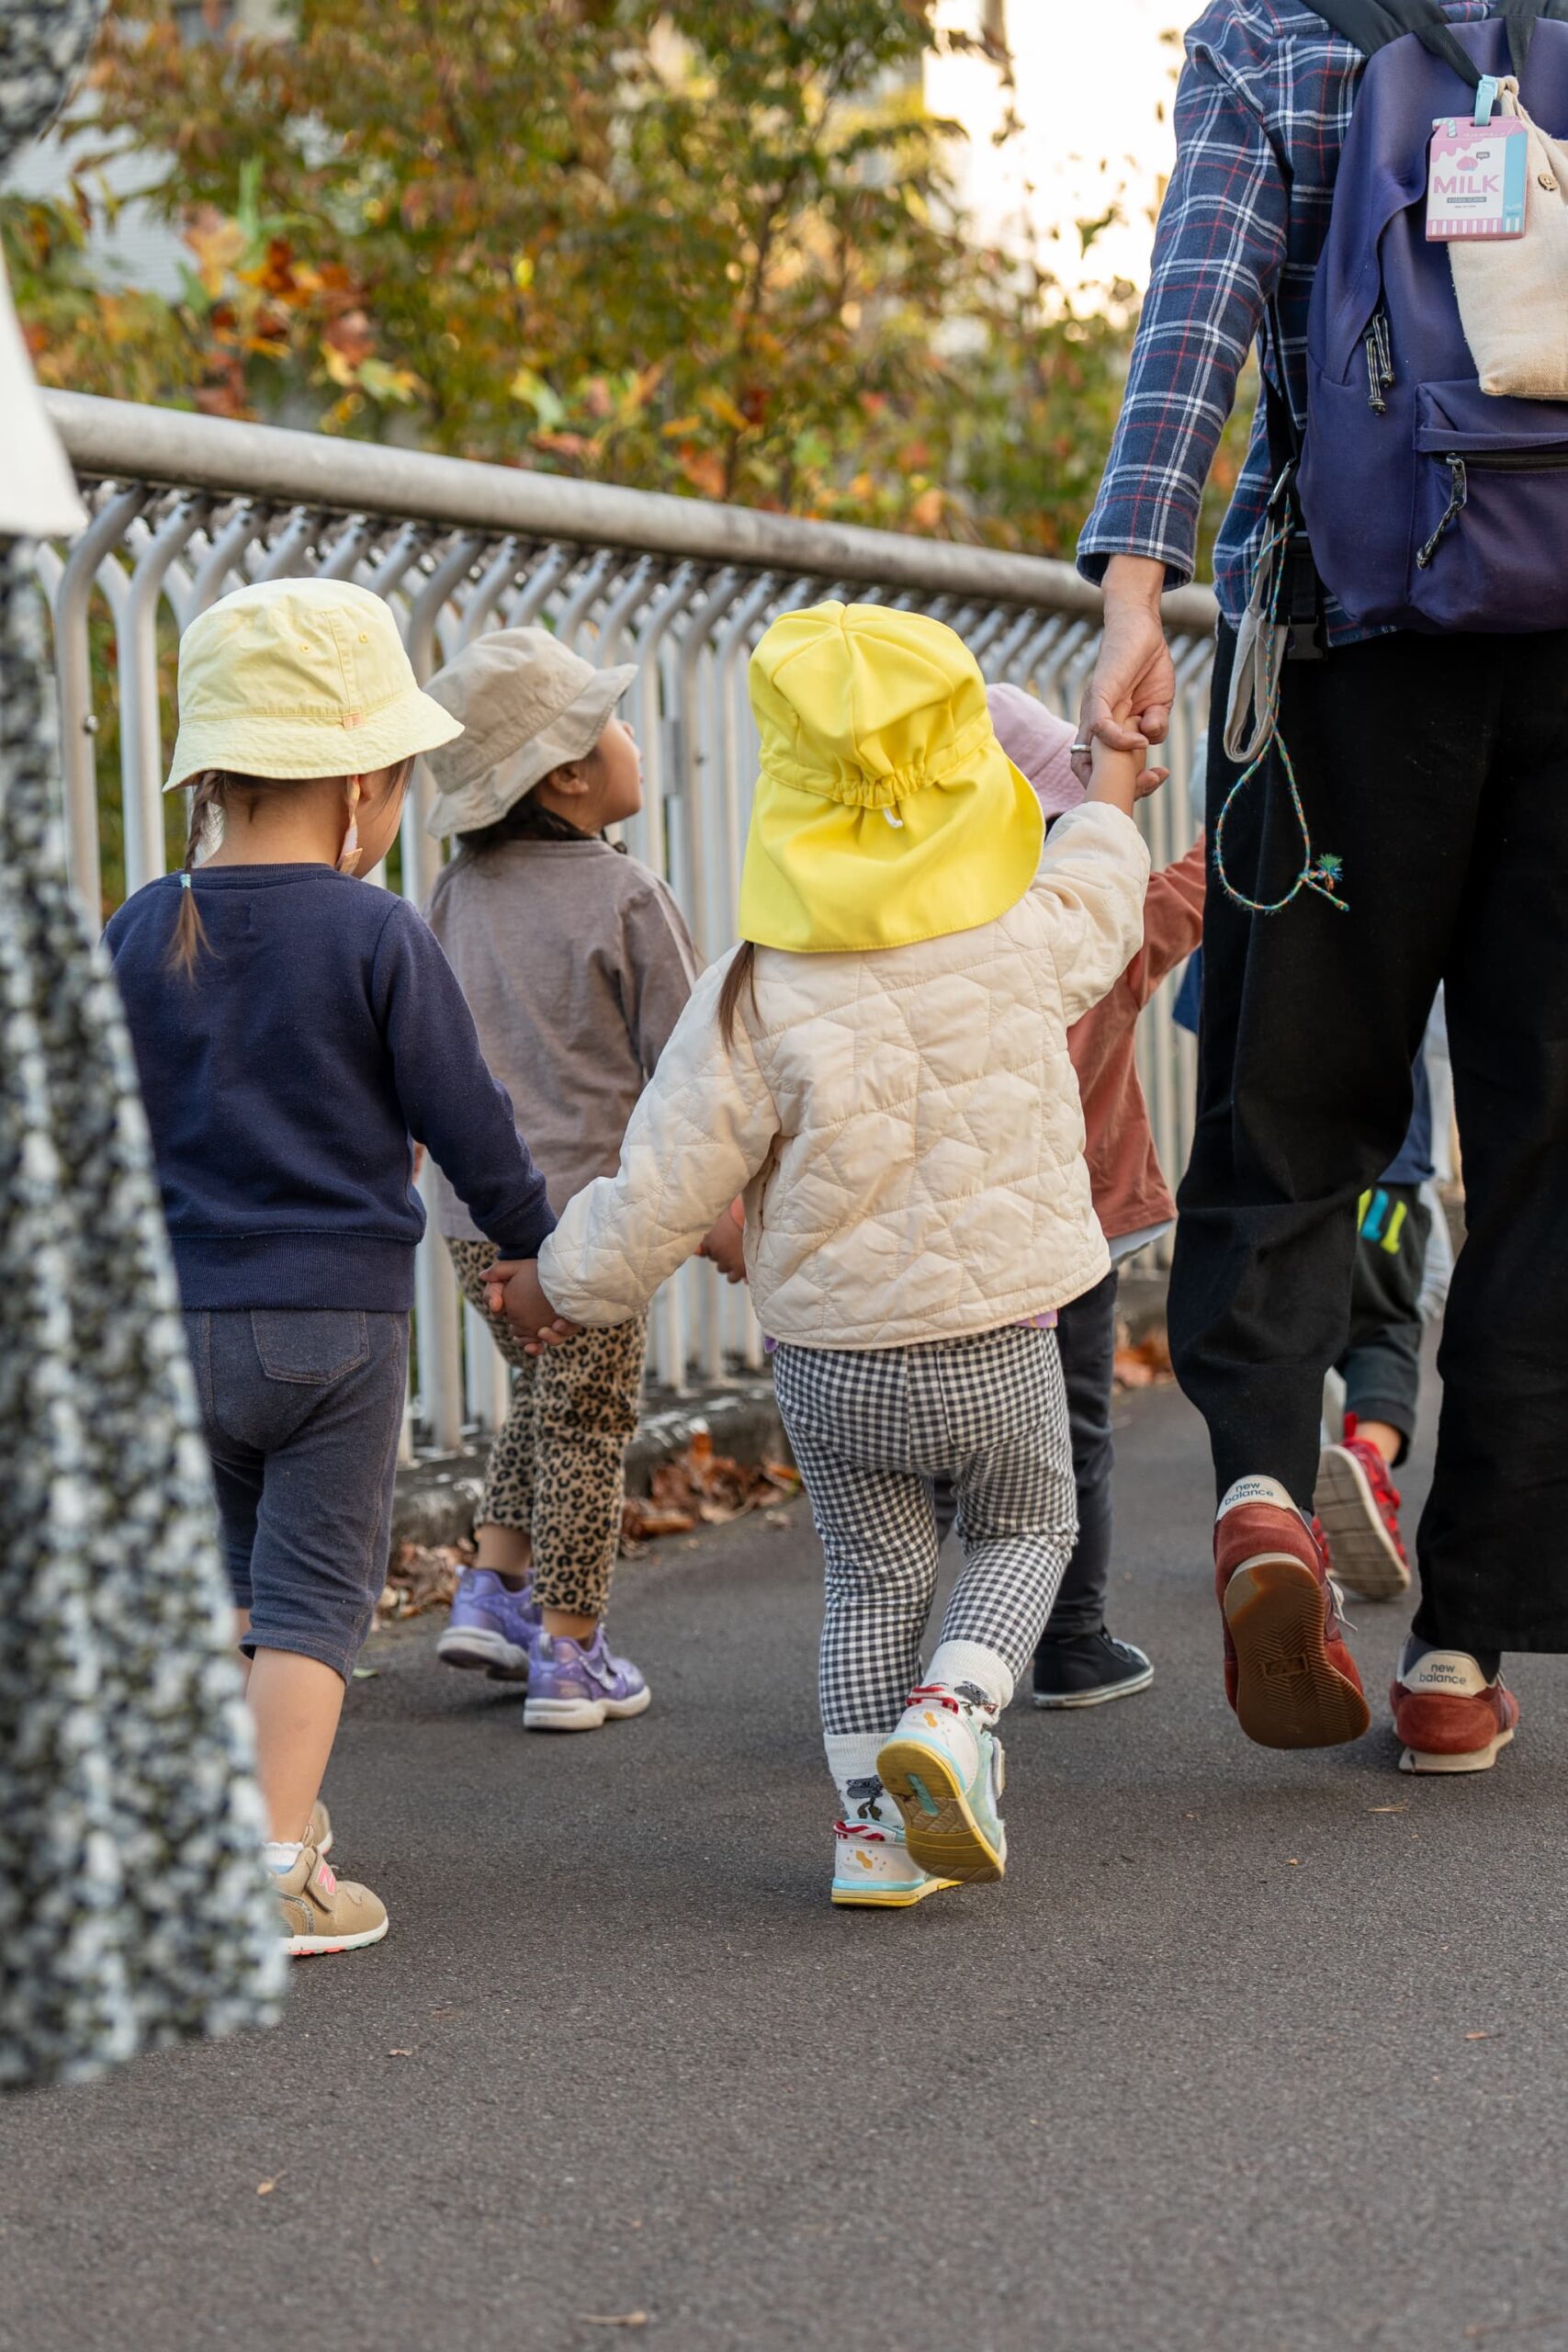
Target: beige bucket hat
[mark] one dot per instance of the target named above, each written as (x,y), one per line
(301,678)
(528,705)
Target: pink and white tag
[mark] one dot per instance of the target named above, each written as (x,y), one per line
(1478,179)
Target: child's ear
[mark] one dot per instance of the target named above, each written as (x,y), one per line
(569,780)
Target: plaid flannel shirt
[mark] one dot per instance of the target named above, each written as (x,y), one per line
(1263,79)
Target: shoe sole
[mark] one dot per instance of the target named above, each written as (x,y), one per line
(849,1898)
(581,1714)
(1288,1692)
(940,1827)
(318,1947)
(1474,1759)
(1360,1545)
(481,1653)
(1055,1703)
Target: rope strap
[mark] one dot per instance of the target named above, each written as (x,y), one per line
(1319,871)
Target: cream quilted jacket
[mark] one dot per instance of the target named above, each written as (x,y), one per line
(904,1124)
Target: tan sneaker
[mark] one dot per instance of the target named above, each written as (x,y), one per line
(320,1833)
(322,1913)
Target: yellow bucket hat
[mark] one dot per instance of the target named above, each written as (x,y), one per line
(301,678)
(886,812)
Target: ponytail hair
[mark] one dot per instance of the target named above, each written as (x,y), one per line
(190,933)
(739,981)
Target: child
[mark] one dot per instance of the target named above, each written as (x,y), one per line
(1357,1501)
(1079,1663)
(577,966)
(883,1067)
(295,1029)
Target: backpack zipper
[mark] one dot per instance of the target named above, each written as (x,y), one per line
(1516,461)
(1380,362)
(1494,461)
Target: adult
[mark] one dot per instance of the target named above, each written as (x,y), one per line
(1436,770)
(133,1909)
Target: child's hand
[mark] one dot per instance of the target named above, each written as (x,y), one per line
(516,1291)
(724,1244)
(1121,778)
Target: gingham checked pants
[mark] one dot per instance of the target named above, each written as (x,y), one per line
(870,1430)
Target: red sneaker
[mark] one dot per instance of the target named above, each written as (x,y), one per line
(1450,1717)
(1358,1518)
(1288,1673)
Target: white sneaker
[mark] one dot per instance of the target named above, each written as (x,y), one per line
(872,1863)
(944,1769)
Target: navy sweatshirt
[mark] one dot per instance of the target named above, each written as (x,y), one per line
(321,1030)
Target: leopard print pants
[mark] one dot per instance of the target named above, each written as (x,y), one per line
(556,1471)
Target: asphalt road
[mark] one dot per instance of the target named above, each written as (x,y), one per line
(1250,2050)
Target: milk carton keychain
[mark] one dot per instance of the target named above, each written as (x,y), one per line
(1479,172)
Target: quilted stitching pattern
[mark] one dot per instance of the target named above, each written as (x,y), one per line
(905,1125)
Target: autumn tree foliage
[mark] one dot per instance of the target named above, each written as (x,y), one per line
(711,246)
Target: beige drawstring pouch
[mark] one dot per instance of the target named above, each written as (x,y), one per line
(1513,292)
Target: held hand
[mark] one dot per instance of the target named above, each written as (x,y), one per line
(1118,777)
(516,1291)
(495,1279)
(1134,674)
(724,1246)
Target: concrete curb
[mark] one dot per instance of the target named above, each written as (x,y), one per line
(437,1496)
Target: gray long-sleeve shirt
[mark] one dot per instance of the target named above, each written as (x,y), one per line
(577,965)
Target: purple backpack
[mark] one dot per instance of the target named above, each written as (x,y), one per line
(1428,504)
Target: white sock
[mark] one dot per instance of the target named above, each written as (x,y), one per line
(851,1757)
(958,1662)
(280,1856)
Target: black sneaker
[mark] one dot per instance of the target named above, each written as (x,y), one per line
(1087,1669)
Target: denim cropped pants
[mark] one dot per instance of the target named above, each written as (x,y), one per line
(302,1410)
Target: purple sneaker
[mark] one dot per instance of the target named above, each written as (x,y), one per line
(574,1686)
(492,1628)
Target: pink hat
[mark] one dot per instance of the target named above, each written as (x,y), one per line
(1039,744)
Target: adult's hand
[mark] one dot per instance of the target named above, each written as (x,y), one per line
(1134,675)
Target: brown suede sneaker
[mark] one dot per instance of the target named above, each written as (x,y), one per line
(1288,1673)
(323,1913)
(1448,1716)
(320,1833)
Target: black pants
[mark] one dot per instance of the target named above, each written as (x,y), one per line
(1437,770)
(1382,1365)
(1086,1336)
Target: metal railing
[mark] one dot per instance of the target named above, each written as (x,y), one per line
(183,508)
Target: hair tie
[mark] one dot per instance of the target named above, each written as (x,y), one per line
(185,878)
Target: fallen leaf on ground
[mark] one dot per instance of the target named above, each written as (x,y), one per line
(1146,1365)
(1387,1809)
(400,2053)
(614,2319)
(266,2188)
(1481,2037)
(422,1577)
(700,1485)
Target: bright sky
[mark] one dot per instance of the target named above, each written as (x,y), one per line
(1093,76)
